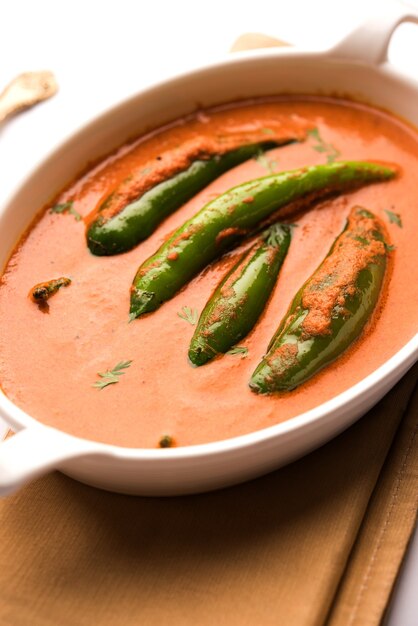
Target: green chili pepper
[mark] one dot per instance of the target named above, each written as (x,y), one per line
(331,309)
(239,300)
(225,220)
(136,220)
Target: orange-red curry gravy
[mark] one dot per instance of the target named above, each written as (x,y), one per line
(49,361)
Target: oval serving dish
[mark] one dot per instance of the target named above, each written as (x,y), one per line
(358,67)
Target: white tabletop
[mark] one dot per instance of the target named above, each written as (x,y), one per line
(103,51)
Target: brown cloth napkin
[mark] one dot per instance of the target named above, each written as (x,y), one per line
(317,543)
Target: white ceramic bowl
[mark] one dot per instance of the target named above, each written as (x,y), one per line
(357,66)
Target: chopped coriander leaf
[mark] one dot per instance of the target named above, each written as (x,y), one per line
(111,377)
(394,218)
(322,146)
(314,132)
(238,350)
(333,156)
(66,207)
(189,315)
(274,236)
(265,162)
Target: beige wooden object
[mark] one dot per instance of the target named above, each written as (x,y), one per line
(25,91)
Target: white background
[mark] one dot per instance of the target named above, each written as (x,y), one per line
(103,51)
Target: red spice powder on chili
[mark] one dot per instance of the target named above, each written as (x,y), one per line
(354,250)
(172,162)
(228,232)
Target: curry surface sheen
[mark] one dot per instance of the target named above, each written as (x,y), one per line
(49,360)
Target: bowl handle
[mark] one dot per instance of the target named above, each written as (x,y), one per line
(370,41)
(32,452)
